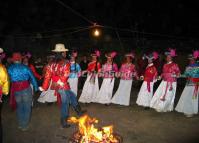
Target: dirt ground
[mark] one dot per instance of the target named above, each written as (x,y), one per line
(133,123)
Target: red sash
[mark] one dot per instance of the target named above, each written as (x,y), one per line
(196,84)
(15,87)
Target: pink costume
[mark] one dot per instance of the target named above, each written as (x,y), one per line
(122,95)
(170,72)
(108,70)
(163,99)
(128,71)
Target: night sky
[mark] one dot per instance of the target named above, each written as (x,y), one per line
(155,16)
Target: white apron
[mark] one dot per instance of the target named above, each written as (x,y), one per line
(188,104)
(144,96)
(73,82)
(90,90)
(168,103)
(122,95)
(106,90)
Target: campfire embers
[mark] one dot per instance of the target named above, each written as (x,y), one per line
(87,132)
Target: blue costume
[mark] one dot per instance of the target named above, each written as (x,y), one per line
(20,72)
(188,102)
(74,70)
(21,92)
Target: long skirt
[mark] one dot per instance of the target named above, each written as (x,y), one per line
(122,95)
(188,104)
(144,96)
(167,104)
(106,90)
(73,82)
(90,89)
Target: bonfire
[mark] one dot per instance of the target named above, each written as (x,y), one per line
(88,133)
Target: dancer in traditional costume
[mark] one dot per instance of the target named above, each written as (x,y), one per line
(109,69)
(188,102)
(150,77)
(4,87)
(58,72)
(74,73)
(21,95)
(28,61)
(127,72)
(163,99)
(91,85)
(48,96)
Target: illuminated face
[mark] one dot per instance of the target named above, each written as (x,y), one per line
(168,58)
(192,61)
(150,61)
(94,58)
(25,61)
(128,59)
(72,59)
(64,54)
(109,59)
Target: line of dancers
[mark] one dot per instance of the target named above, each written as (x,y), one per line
(162,100)
(61,79)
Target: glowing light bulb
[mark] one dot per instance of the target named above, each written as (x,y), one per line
(96,33)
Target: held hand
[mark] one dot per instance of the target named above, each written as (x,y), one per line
(142,77)
(60,83)
(162,98)
(41,89)
(159,78)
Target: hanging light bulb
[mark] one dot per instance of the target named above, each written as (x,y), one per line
(96,33)
(96,30)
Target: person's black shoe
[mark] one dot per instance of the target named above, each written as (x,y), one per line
(146,108)
(49,103)
(79,111)
(64,123)
(66,126)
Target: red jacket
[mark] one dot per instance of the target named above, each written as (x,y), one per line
(150,73)
(57,72)
(34,72)
(92,67)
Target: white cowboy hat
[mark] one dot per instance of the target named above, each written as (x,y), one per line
(1,50)
(60,48)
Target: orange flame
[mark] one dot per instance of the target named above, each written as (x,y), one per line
(90,133)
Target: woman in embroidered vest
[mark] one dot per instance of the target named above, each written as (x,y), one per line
(91,85)
(127,72)
(109,69)
(146,92)
(163,99)
(27,60)
(188,102)
(74,73)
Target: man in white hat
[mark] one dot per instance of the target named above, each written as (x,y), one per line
(59,72)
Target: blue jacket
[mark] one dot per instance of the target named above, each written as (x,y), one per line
(20,72)
(192,70)
(74,70)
